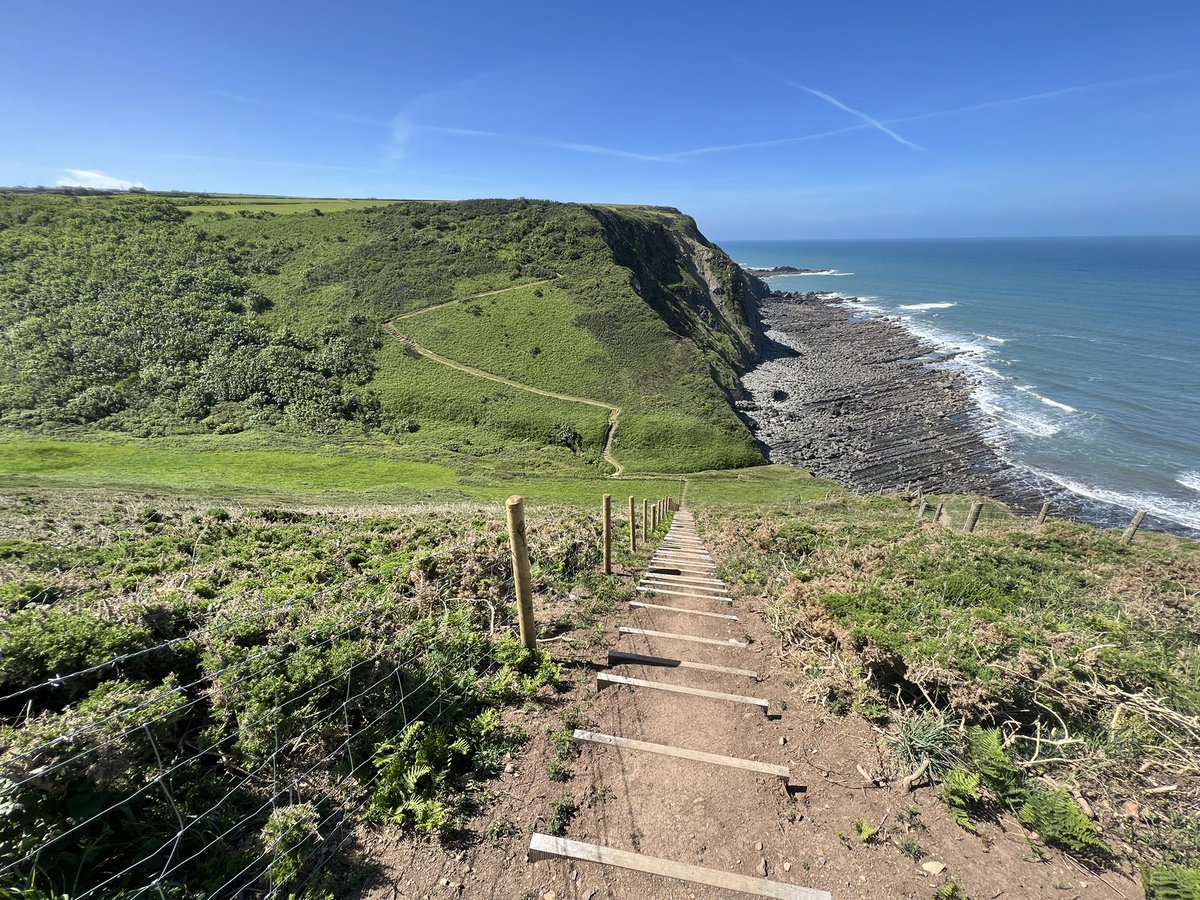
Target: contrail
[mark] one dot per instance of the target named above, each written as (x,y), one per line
(868,120)
(937,114)
(1046,95)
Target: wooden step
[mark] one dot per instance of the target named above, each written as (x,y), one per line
(621,656)
(672,573)
(545,846)
(604,679)
(677,609)
(714,759)
(658,581)
(685,564)
(654,590)
(728,642)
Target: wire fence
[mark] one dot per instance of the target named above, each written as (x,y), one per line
(238,781)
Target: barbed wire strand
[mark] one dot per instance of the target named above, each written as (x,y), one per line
(253,815)
(181,763)
(58,680)
(291,642)
(295,825)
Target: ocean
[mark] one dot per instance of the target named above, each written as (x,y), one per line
(1085,352)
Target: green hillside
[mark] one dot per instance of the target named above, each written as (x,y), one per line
(180,319)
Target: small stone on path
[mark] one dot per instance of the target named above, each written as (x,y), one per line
(934,868)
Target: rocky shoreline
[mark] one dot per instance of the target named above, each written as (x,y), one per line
(853,399)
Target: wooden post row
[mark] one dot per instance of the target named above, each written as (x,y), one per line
(1134,525)
(973,517)
(632,526)
(522,582)
(608,534)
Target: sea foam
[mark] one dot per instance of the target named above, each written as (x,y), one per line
(1181,512)
(1058,405)
(1190,480)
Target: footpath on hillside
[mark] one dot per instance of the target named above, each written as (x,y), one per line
(614,412)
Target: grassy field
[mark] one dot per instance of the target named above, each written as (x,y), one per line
(280,206)
(250,466)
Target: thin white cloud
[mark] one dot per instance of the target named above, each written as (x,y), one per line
(941,113)
(88,178)
(603,151)
(1046,95)
(774,142)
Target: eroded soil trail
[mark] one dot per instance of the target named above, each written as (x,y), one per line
(685,787)
(614,412)
(685,766)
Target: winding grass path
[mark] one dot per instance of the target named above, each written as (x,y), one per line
(614,412)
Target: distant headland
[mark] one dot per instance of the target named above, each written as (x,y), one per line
(776,271)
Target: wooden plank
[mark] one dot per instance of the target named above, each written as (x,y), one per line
(544,846)
(728,642)
(714,759)
(658,581)
(670,551)
(654,590)
(669,572)
(678,609)
(604,678)
(683,563)
(620,656)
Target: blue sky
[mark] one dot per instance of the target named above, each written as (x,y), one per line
(763,120)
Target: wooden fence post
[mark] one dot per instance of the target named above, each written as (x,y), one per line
(921,509)
(973,517)
(1045,511)
(1134,525)
(654,517)
(522,583)
(632,526)
(645,520)
(608,534)
(937,513)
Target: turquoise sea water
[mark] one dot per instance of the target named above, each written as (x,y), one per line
(1085,351)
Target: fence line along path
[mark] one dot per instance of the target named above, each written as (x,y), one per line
(686,775)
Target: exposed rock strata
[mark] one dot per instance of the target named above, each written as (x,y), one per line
(854,399)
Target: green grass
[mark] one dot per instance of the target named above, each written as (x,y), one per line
(450,407)
(528,335)
(253,466)
(280,206)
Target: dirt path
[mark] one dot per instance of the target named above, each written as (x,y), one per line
(803,834)
(614,412)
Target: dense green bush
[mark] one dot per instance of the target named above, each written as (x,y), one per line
(117,312)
